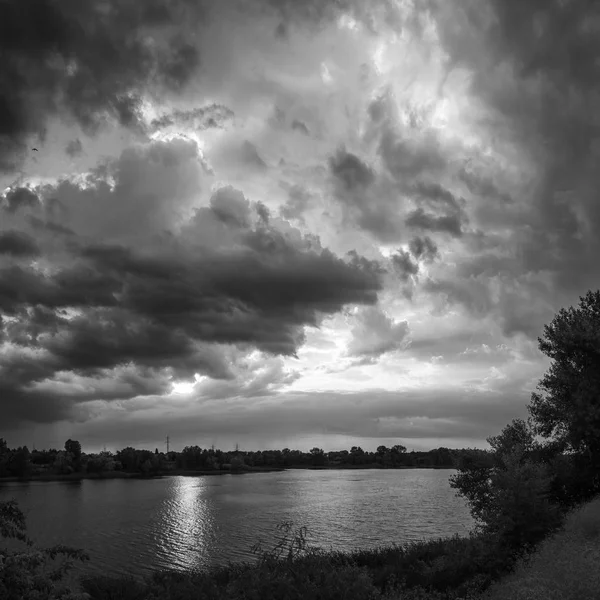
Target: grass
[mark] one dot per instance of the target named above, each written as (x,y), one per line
(565,567)
(433,570)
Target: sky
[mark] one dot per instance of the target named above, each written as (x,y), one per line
(278,223)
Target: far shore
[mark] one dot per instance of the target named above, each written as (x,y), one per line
(181,472)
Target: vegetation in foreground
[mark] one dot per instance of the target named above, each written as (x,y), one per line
(566,566)
(520,494)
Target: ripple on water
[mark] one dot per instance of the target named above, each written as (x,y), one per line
(134,527)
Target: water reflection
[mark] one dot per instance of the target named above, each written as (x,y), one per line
(136,526)
(185,525)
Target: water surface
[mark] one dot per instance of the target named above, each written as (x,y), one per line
(135,526)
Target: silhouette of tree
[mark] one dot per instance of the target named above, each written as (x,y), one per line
(74,447)
(567,409)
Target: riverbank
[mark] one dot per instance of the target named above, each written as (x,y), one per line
(181,472)
(475,568)
(125,475)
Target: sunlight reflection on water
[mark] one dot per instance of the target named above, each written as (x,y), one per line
(135,526)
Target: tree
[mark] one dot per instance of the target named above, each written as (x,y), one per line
(25,574)
(517,434)
(237,463)
(567,408)
(509,493)
(317,457)
(20,463)
(357,455)
(74,447)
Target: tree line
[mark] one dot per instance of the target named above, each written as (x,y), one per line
(21,462)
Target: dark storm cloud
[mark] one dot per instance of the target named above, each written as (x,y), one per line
(534,65)
(423,248)
(16,243)
(87,60)
(230,277)
(20,197)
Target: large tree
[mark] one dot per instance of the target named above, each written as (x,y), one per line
(567,409)
(74,447)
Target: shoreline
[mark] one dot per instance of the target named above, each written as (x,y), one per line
(179,473)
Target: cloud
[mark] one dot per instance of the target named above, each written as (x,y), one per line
(444,414)
(92,64)
(419,219)
(403,265)
(233,201)
(408,154)
(366,199)
(298,125)
(19,197)
(350,171)
(74,148)
(168,298)
(16,243)
(473,293)
(376,334)
(253,376)
(154,185)
(298,201)
(424,248)
(537,87)
(197,119)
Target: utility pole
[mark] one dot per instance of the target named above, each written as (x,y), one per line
(237,447)
(167,443)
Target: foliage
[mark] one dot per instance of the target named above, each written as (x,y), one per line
(568,407)
(24,575)
(508,493)
(73,447)
(430,570)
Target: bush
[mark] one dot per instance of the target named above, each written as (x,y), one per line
(509,496)
(24,575)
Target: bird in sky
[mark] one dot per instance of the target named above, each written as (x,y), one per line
(35,149)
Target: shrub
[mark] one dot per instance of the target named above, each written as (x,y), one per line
(23,575)
(509,495)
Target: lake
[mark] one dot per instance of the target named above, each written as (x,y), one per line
(135,526)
